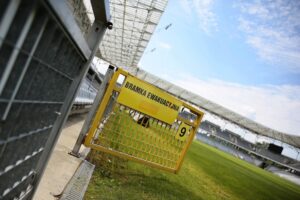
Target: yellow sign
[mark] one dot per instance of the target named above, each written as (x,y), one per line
(150,100)
(183,132)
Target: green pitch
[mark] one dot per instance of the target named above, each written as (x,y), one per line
(207,173)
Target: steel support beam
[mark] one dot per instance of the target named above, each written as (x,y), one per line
(92,112)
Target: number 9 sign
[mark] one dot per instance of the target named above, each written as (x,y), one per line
(182,132)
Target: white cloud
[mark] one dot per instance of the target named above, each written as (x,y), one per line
(273,29)
(187,6)
(203,10)
(274,106)
(165,45)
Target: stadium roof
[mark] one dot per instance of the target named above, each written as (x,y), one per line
(133,25)
(134,21)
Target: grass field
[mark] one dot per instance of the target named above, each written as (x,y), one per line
(207,173)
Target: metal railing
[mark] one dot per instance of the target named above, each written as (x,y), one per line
(43,58)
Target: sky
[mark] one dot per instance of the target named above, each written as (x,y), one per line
(243,55)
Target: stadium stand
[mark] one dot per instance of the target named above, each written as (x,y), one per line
(234,144)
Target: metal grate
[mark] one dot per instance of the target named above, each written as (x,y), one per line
(78,184)
(38,64)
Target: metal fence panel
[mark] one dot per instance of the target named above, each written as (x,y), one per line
(158,140)
(41,67)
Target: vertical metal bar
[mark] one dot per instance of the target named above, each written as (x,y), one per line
(7,19)
(16,50)
(91,114)
(24,70)
(101,109)
(194,130)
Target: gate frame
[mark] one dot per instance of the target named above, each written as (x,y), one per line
(100,113)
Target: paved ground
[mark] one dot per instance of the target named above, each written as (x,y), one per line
(61,166)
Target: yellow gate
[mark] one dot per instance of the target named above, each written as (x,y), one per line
(140,122)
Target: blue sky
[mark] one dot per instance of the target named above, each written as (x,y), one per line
(244,55)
